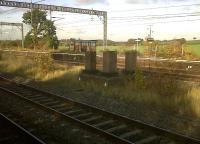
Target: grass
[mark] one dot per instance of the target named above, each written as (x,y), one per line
(191,46)
(120,49)
(152,92)
(194,48)
(193,95)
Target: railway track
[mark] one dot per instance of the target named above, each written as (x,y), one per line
(116,128)
(176,74)
(180,74)
(144,63)
(12,133)
(46,126)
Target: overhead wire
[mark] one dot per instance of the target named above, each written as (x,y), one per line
(76,23)
(161,15)
(114,21)
(154,8)
(131,22)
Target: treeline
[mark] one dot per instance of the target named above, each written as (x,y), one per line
(193,42)
(10,43)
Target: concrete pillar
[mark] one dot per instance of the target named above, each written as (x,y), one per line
(90,61)
(130,61)
(1,53)
(110,62)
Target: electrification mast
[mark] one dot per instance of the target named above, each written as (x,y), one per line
(19,25)
(61,9)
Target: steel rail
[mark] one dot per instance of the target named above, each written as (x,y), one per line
(139,124)
(25,136)
(96,130)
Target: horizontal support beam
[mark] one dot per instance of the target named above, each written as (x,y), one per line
(11,24)
(18,25)
(51,7)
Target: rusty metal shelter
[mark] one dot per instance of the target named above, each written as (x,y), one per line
(83,45)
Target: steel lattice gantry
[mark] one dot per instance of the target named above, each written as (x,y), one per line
(61,9)
(20,25)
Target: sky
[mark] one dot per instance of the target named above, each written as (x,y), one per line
(169,19)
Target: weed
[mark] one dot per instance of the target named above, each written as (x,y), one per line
(44,63)
(139,80)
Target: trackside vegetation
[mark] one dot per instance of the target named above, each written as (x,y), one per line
(155,91)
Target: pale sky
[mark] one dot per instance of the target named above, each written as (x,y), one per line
(126,19)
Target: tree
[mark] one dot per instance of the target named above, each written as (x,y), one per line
(43,32)
(50,35)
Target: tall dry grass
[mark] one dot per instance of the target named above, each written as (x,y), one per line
(194,96)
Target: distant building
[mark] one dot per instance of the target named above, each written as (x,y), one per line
(82,45)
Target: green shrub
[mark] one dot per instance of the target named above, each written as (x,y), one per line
(163,85)
(44,63)
(139,80)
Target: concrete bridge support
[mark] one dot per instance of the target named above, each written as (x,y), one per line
(90,61)
(130,61)
(110,62)
(1,55)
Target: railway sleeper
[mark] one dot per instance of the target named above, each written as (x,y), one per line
(24,93)
(104,123)
(83,115)
(57,106)
(110,130)
(51,103)
(62,109)
(71,112)
(35,96)
(45,101)
(130,134)
(149,140)
(39,98)
(91,119)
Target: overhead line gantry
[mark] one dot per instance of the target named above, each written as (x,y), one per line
(19,25)
(61,9)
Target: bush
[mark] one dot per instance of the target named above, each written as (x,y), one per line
(28,41)
(44,63)
(163,85)
(168,86)
(139,80)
